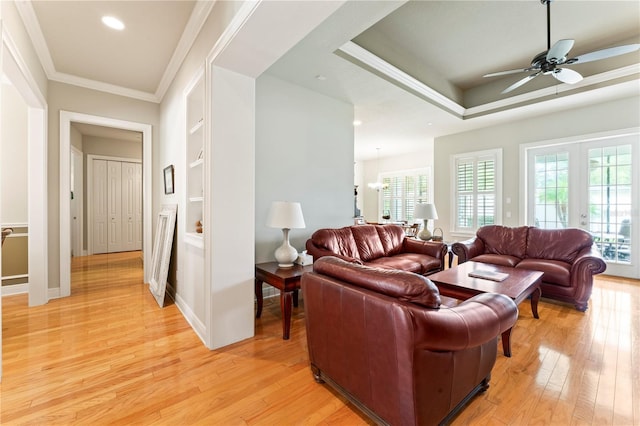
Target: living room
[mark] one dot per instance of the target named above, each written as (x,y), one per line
(304,151)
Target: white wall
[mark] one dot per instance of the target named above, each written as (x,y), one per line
(13,144)
(620,114)
(188,277)
(304,152)
(368,198)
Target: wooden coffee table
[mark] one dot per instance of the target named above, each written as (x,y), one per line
(520,284)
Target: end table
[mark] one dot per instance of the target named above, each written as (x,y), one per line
(287,280)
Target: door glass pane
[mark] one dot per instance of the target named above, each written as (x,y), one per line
(610,201)
(551,208)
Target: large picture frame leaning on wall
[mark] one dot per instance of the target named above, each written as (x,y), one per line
(162,252)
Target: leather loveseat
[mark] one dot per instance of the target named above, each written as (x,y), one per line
(385,339)
(568,257)
(381,246)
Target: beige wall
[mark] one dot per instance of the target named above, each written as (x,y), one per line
(71,98)
(13,180)
(93,145)
(607,116)
(13,158)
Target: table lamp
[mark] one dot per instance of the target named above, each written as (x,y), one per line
(285,215)
(425,212)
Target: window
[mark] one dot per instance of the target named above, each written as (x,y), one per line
(402,191)
(477,188)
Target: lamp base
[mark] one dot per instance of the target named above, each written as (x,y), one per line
(425,235)
(285,254)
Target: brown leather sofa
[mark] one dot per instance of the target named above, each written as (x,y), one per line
(385,339)
(381,246)
(568,257)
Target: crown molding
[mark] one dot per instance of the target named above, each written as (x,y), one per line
(400,77)
(403,79)
(14,58)
(199,15)
(30,20)
(103,87)
(238,21)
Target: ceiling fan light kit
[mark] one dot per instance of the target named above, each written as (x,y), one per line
(547,62)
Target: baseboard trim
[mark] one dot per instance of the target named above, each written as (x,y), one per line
(10,290)
(195,323)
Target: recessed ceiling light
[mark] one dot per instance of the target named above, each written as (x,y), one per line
(321,77)
(357,122)
(112,22)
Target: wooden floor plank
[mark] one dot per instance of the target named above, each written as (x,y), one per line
(109,355)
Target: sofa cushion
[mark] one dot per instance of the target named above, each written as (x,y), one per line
(402,285)
(504,240)
(412,262)
(555,271)
(392,238)
(337,241)
(368,242)
(497,259)
(557,244)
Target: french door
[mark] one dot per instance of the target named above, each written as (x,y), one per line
(593,185)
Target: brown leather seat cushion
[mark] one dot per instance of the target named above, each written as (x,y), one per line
(555,271)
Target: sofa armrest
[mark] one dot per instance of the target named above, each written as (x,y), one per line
(589,261)
(471,323)
(468,249)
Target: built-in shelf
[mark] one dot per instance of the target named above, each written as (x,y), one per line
(194,157)
(195,239)
(197,126)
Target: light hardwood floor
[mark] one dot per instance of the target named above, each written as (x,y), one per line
(109,355)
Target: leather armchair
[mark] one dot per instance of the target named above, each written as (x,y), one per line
(390,343)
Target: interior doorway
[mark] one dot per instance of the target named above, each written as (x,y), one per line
(145,130)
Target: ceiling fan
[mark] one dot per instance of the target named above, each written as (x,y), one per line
(548,62)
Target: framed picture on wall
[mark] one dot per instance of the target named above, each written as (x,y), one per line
(168,179)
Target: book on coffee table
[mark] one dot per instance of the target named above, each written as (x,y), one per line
(489,275)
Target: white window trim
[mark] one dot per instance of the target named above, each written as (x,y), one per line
(403,173)
(497,154)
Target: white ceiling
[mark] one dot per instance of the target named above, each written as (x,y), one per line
(428,57)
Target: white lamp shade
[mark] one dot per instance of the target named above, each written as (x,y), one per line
(425,211)
(285,215)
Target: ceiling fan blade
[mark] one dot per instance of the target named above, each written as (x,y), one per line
(558,52)
(566,75)
(604,53)
(520,82)
(495,74)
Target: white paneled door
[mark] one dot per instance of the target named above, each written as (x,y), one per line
(117,206)
(99,200)
(131,207)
